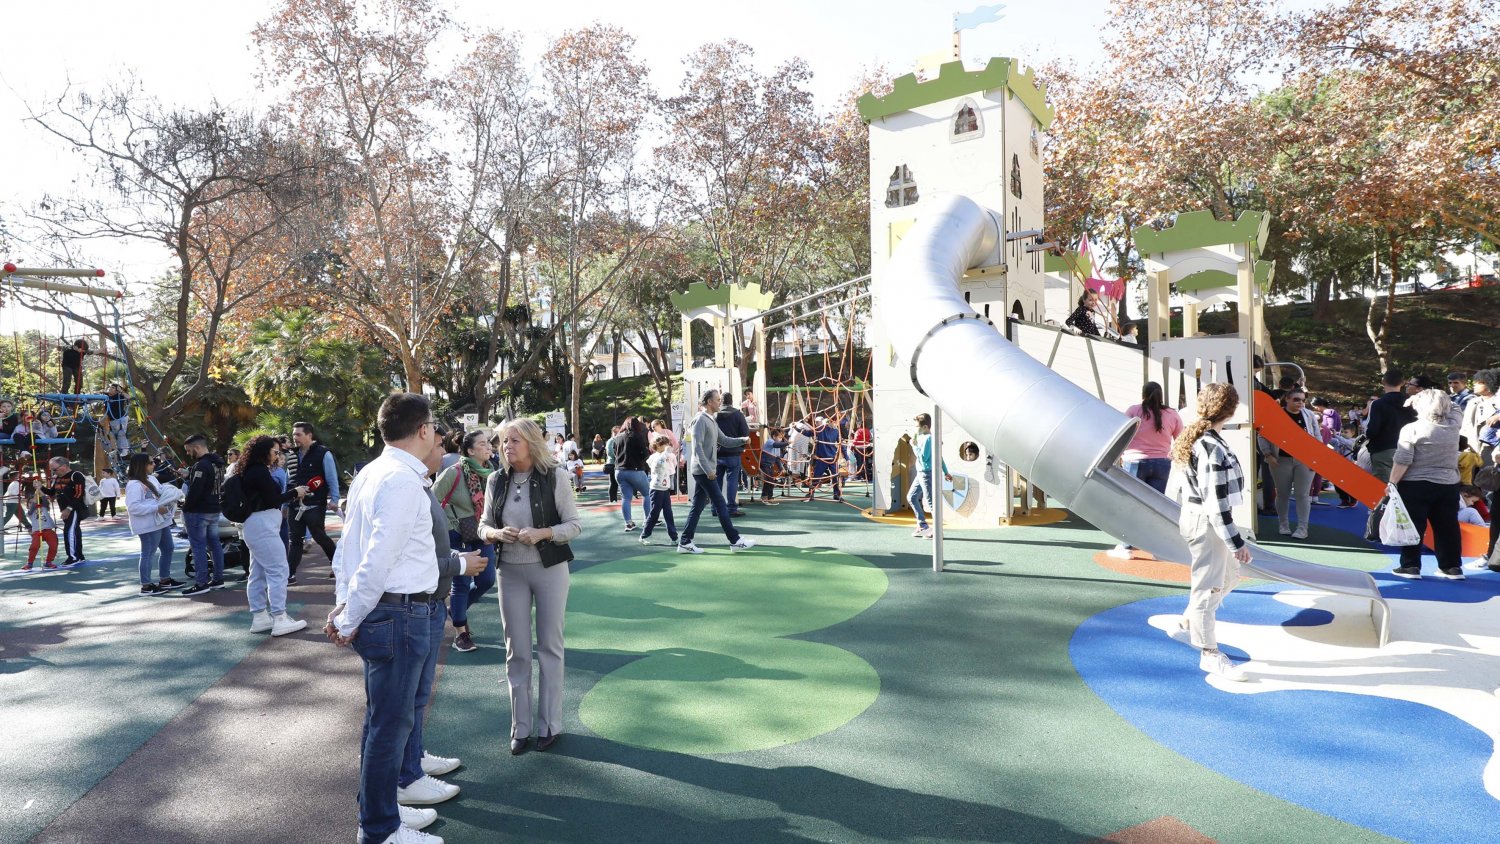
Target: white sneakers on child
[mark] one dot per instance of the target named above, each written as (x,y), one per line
(1300,532)
(1215,662)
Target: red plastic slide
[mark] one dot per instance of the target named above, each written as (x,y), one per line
(1273,424)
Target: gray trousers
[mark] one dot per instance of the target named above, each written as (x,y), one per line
(1292,477)
(1213,572)
(523,586)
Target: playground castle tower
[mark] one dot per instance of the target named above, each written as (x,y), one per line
(976,133)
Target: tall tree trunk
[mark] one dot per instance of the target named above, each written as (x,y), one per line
(614,361)
(1380,333)
(1322,308)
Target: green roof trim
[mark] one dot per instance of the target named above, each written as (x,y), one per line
(954,81)
(1055,264)
(1211,279)
(1199,229)
(699,295)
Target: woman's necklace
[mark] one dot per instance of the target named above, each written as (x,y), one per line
(518,484)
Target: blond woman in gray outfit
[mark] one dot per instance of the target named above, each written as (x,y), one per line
(530,514)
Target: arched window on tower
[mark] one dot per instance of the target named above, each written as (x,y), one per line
(1015,175)
(966,123)
(902,190)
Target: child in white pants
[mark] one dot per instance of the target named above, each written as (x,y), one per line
(1208,483)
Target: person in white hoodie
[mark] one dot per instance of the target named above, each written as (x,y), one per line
(149,505)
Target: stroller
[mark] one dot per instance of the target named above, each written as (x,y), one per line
(235,554)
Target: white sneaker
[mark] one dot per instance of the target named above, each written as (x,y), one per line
(261,622)
(928,533)
(689,548)
(407,835)
(426,791)
(1218,663)
(284,624)
(745,544)
(414,818)
(1477,564)
(1300,532)
(1286,529)
(436,766)
(918,532)
(1120,552)
(646,540)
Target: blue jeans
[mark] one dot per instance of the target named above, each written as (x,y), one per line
(411,764)
(394,641)
(729,480)
(153,543)
(1152,470)
(468,590)
(661,508)
(919,495)
(203,538)
(633,481)
(704,491)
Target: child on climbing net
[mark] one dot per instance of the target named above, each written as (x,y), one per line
(1209,483)
(43,526)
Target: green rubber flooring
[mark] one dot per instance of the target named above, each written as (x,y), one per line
(826,686)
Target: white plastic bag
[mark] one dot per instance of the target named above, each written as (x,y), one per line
(1395,524)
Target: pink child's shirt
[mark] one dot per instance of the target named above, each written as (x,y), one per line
(1149,443)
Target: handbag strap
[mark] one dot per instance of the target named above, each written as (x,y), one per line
(449,496)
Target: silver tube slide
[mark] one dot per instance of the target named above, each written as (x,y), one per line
(1033,419)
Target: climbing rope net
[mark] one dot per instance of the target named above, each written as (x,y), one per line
(818,427)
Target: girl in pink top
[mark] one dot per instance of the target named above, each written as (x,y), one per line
(1149,455)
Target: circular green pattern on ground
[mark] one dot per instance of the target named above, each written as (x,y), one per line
(714,673)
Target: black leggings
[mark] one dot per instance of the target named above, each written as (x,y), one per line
(106,504)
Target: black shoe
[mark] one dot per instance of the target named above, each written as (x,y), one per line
(169,584)
(69,561)
(519,746)
(1454,573)
(546,741)
(291,580)
(735,514)
(149,589)
(216,584)
(1408,572)
(196,589)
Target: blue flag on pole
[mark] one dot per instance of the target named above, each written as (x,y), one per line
(978,17)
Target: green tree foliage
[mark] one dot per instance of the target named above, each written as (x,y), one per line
(297,371)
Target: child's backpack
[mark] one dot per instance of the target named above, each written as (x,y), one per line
(233,502)
(91,494)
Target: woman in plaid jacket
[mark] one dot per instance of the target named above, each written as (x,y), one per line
(1208,484)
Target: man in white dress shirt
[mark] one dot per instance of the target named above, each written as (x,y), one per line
(384,582)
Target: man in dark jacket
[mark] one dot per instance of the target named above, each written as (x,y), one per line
(200,513)
(68,490)
(1388,415)
(317,471)
(732,424)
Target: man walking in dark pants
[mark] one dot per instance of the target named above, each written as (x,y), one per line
(703,467)
(316,471)
(200,515)
(736,433)
(68,491)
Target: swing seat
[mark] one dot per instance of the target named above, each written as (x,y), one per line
(56,440)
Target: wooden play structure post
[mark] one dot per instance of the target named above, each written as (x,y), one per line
(720,307)
(1208,262)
